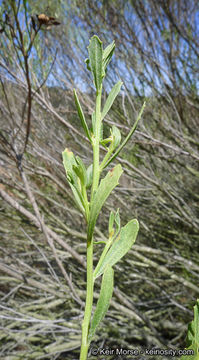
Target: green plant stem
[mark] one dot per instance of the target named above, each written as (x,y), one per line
(96,140)
(89,302)
(90,285)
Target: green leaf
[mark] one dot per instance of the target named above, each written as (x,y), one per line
(89,176)
(87,64)
(70,164)
(78,198)
(127,138)
(117,222)
(193,336)
(103,301)
(107,184)
(75,169)
(116,136)
(107,54)
(93,122)
(80,170)
(114,218)
(106,141)
(111,223)
(95,51)
(120,247)
(111,97)
(82,117)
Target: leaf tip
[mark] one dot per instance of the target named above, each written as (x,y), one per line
(67,152)
(135,221)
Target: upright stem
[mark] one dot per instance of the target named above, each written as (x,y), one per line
(96,140)
(89,301)
(89,286)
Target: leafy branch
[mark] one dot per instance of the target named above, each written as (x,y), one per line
(80,179)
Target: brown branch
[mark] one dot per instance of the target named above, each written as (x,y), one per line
(36,222)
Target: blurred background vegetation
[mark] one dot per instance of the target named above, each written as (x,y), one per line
(42,234)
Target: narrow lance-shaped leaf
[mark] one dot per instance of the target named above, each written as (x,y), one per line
(120,247)
(103,301)
(107,54)
(114,218)
(78,198)
(80,170)
(111,97)
(117,222)
(95,51)
(113,232)
(127,138)
(107,184)
(116,136)
(111,223)
(81,116)
(89,176)
(70,163)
